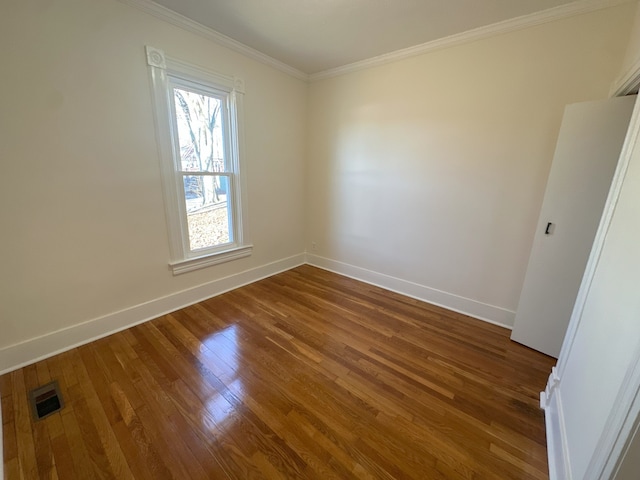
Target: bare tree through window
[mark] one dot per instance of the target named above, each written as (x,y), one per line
(202,157)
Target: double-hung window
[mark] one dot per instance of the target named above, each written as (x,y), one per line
(198,126)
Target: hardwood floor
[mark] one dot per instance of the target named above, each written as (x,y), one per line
(306,374)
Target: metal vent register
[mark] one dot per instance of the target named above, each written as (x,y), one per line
(45,400)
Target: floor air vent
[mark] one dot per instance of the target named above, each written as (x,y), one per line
(45,400)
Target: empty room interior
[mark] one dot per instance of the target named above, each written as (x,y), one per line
(320,240)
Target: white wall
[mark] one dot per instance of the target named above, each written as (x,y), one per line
(432,169)
(81,207)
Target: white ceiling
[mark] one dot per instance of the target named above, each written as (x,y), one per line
(317,35)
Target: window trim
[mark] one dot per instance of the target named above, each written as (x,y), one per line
(161,68)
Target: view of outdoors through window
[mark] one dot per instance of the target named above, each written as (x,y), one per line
(204,168)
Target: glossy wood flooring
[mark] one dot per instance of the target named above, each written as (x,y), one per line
(306,374)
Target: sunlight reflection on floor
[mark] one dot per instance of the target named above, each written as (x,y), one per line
(220,354)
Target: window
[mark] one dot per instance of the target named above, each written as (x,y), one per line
(198,127)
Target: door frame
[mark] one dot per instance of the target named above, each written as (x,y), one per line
(624,417)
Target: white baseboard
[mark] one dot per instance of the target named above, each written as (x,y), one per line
(482,311)
(24,353)
(30,351)
(557,448)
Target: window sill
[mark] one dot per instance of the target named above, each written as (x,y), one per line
(184,266)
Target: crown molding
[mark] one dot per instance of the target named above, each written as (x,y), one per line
(185,23)
(546,16)
(552,14)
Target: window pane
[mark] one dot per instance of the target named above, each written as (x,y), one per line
(199,120)
(208,211)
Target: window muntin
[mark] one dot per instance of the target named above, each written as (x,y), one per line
(200,160)
(204,172)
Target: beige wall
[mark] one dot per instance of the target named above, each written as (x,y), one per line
(81,210)
(432,169)
(632,55)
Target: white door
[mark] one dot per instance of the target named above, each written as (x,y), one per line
(586,156)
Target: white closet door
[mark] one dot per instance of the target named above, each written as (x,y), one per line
(586,156)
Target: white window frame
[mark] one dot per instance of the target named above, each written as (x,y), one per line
(164,71)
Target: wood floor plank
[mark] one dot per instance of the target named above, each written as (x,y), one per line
(10,442)
(110,447)
(303,375)
(24,437)
(82,462)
